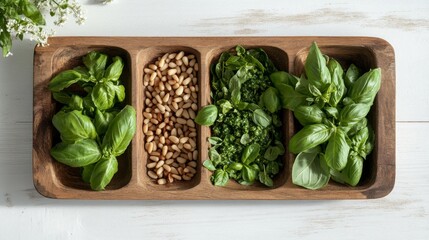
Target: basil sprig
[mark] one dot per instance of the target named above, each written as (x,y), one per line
(93,128)
(332,106)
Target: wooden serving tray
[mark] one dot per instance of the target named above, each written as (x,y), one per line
(55,180)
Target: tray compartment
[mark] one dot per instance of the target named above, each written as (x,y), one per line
(69,57)
(364,58)
(280,60)
(146,57)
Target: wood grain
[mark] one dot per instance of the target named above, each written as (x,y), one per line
(54,180)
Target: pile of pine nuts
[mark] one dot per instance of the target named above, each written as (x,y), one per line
(171,87)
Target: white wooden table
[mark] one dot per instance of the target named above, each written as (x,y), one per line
(403,214)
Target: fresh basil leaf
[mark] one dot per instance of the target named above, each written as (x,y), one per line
(120,132)
(352,114)
(261,118)
(309,170)
(61,97)
(64,80)
(316,70)
(234,88)
(366,87)
(102,121)
(332,112)
(352,74)
(271,100)
(225,106)
(96,63)
(351,174)
(87,172)
(214,156)
(265,179)
(103,95)
(114,70)
(250,153)
(220,177)
(309,137)
(273,168)
(209,165)
(103,173)
(78,154)
(290,99)
(272,153)
(337,79)
(245,139)
(85,75)
(207,115)
(358,126)
(74,126)
(214,141)
(307,115)
(337,150)
(119,91)
(235,166)
(248,174)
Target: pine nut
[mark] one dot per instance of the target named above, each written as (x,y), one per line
(181,160)
(151,165)
(159,171)
(195,155)
(152,174)
(159,164)
(166,167)
(185,177)
(192,164)
(154,158)
(177,177)
(162,181)
(174,139)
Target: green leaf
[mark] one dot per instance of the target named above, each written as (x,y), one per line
(351,174)
(316,70)
(332,112)
(114,71)
(353,113)
(352,74)
(265,179)
(337,79)
(87,172)
(273,152)
(248,174)
(358,126)
(250,153)
(96,63)
(103,95)
(225,106)
(307,115)
(235,166)
(103,173)
(61,97)
(78,154)
(102,120)
(209,165)
(32,12)
(309,137)
(366,87)
(207,115)
(5,42)
(309,170)
(271,100)
(214,156)
(337,150)
(74,126)
(281,77)
(290,99)
(120,132)
(214,141)
(64,80)
(220,177)
(261,118)
(120,92)
(245,139)
(273,168)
